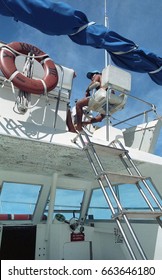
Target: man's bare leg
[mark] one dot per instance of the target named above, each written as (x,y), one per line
(79,112)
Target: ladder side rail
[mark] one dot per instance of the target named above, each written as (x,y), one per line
(127,222)
(139,247)
(158,218)
(115,197)
(153,184)
(103,173)
(138,185)
(108,201)
(107,113)
(59,94)
(148,187)
(130,250)
(145,197)
(117,220)
(142,180)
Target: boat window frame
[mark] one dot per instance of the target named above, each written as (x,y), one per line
(18,185)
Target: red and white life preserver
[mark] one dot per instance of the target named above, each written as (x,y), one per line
(8,68)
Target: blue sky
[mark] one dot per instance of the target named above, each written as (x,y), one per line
(138,20)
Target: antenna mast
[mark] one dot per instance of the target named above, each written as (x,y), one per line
(107,56)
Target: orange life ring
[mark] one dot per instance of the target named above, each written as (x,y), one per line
(9,70)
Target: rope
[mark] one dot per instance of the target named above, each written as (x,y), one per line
(15,97)
(82,28)
(19,53)
(13,76)
(44,115)
(27,71)
(45,87)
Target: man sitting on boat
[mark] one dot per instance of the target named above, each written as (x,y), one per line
(95,102)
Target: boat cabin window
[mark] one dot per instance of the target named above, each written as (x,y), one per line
(98,208)
(129,197)
(18,198)
(68,203)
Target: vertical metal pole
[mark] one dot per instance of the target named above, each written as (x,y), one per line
(106,25)
(59,94)
(107,113)
(107,61)
(51,204)
(106,22)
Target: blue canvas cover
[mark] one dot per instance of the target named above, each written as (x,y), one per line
(64,20)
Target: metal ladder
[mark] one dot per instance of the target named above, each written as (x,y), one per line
(104,179)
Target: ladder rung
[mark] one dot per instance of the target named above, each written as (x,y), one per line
(117,178)
(107,149)
(139,214)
